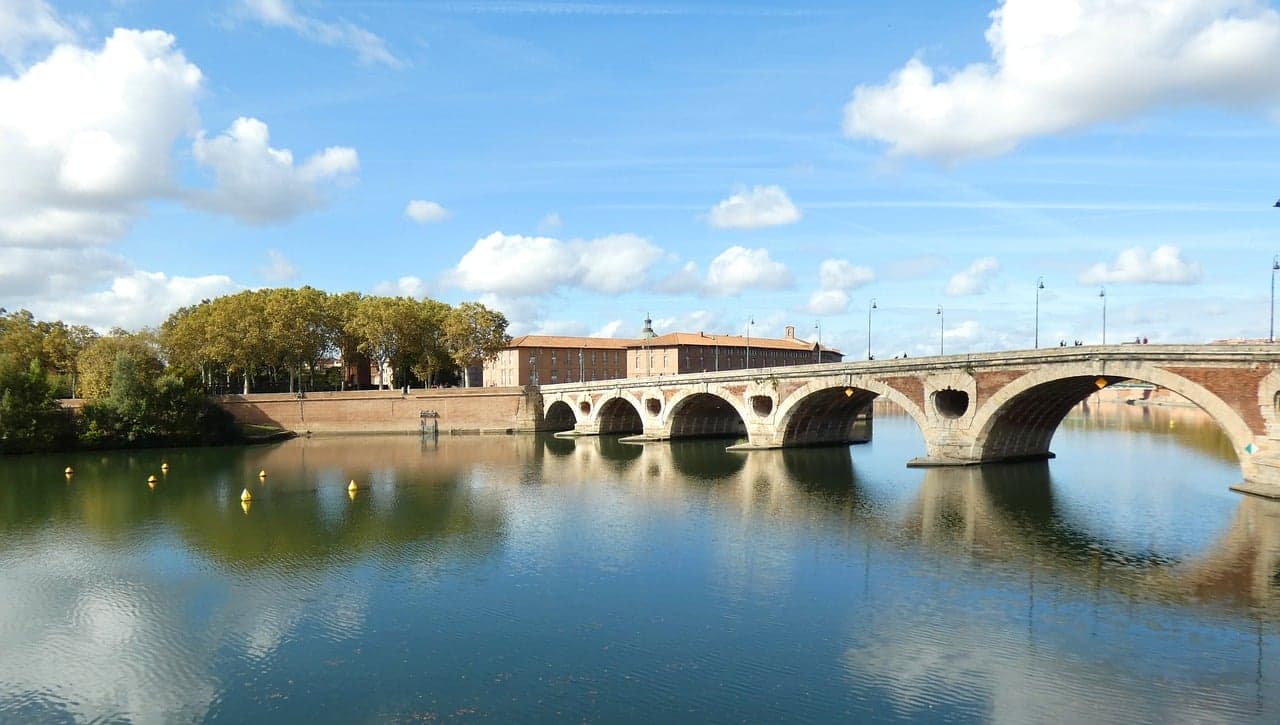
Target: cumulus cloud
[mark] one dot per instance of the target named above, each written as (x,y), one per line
(686,279)
(828,302)
(259,184)
(760,206)
(368,47)
(138,299)
(974,279)
(836,277)
(1136,265)
(408,286)
(426,212)
(610,329)
(515,265)
(278,267)
(1060,66)
(86,136)
(61,272)
(739,268)
(28,24)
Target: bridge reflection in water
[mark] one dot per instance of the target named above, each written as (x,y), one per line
(1088,585)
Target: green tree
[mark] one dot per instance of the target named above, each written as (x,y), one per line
(474,333)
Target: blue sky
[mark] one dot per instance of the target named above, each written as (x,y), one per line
(578,164)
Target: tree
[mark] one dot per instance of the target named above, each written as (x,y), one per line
(474,333)
(99,360)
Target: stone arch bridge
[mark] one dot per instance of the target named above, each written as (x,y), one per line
(971,409)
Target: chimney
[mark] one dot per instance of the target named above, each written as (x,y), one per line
(791,332)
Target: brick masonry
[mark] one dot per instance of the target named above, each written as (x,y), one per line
(390,411)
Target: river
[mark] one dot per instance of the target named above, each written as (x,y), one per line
(534,579)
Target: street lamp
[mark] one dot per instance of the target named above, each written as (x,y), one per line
(869,309)
(750,321)
(1102,292)
(533,369)
(582,372)
(817,325)
(1039,286)
(1275,265)
(942,326)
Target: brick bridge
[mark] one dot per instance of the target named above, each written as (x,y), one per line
(971,409)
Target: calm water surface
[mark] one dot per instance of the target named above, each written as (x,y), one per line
(534,579)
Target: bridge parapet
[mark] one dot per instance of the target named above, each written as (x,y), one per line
(971,409)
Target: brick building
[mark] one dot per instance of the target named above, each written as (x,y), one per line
(550,359)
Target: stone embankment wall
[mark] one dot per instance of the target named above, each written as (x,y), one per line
(457,410)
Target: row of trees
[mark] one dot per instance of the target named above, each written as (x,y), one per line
(131,397)
(149,387)
(303,333)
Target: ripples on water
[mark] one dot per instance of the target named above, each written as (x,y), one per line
(536,579)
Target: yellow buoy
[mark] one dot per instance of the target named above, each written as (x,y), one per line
(262,474)
(352,486)
(69,471)
(244,505)
(152,478)
(164,467)
(245,495)
(351,493)
(151,483)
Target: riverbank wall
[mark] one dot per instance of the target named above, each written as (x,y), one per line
(446,410)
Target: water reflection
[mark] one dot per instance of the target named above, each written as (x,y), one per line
(536,578)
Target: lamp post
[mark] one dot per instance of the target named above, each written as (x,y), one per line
(533,369)
(942,326)
(1039,286)
(1102,293)
(750,321)
(1275,265)
(582,371)
(871,307)
(817,325)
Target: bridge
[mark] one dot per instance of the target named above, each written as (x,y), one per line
(971,409)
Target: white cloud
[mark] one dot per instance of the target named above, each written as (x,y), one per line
(695,321)
(258,184)
(836,277)
(1164,265)
(974,279)
(404,287)
(686,279)
(828,302)
(27,24)
(278,267)
(87,136)
(37,273)
(1065,65)
(516,265)
(369,48)
(739,268)
(610,329)
(840,274)
(426,212)
(550,223)
(761,206)
(137,300)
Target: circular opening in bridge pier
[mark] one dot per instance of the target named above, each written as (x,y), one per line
(761,405)
(653,405)
(951,403)
(585,407)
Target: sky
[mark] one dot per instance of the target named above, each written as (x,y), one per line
(728,167)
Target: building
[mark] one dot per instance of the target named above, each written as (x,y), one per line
(700,352)
(549,359)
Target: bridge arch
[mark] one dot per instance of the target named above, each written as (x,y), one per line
(1019,421)
(705,415)
(559,416)
(823,412)
(618,415)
